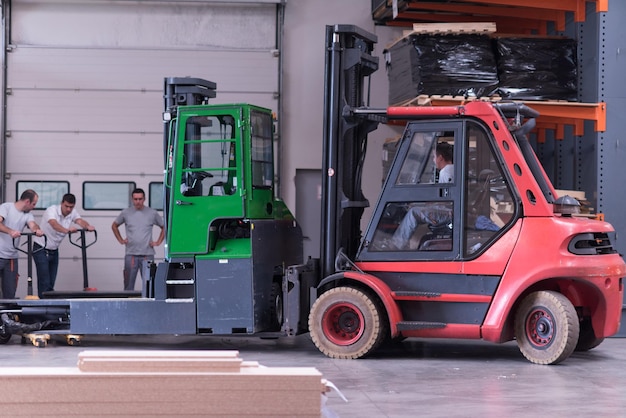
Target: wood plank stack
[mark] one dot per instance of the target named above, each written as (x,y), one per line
(162,383)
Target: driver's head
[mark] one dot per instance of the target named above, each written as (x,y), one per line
(444,155)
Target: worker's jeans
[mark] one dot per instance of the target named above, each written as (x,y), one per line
(433,215)
(8,275)
(133,264)
(47,265)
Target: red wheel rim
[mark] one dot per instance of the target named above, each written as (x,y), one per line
(540,328)
(342,324)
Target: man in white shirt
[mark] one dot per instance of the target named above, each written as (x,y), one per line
(56,223)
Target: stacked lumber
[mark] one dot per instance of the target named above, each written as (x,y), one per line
(162,383)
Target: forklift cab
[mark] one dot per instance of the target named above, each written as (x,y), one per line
(418,218)
(211,190)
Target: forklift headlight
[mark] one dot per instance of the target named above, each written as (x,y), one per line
(167,116)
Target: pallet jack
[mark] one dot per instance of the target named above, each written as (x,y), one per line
(29,251)
(81,242)
(41,339)
(38,340)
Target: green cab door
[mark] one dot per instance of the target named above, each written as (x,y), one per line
(205,174)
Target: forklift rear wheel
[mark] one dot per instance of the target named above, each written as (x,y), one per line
(546,327)
(347,323)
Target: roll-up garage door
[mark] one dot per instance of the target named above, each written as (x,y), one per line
(84,98)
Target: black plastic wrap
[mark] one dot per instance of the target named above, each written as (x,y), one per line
(458,65)
(537,68)
(10,326)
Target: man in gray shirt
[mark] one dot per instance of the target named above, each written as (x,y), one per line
(139,220)
(13,218)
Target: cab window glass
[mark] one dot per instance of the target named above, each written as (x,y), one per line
(420,163)
(209,166)
(261,127)
(489,202)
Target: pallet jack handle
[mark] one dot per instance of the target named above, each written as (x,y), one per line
(81,242)
(29,251)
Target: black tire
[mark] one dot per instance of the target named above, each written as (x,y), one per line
(346,323)
(5,336)
(276,307)
(546,327)
(587,338)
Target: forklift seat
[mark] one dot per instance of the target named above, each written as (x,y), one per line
(438,239)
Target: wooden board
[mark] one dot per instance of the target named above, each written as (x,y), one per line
(454,28)
(162,383)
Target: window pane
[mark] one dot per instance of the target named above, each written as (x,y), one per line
(156,195)
(50,192)
(262,162)
(419,165)
(107,195)
(209,156)
(489,199)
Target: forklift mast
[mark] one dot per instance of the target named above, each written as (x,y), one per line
(185,91)
(348,63)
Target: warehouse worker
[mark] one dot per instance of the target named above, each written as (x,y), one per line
(139,220)
(13,218)
(431,214)
(56,222)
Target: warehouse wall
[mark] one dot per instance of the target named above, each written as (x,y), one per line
(305,23)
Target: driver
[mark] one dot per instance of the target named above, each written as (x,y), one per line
(435,215)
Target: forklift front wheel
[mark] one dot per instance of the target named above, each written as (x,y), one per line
(546,327)
(4,337)
(346,323)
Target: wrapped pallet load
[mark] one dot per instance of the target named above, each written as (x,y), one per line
(447,64)
(537,68)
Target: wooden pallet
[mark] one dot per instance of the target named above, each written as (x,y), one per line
(466,28)
(474,28)
(439,100)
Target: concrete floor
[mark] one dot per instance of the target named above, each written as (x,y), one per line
(433,378)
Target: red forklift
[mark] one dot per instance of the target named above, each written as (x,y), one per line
(511,260)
